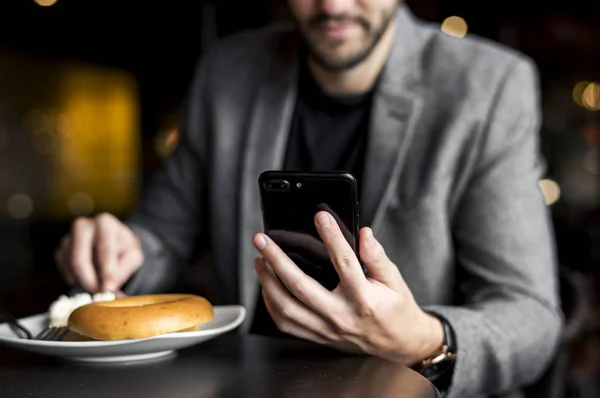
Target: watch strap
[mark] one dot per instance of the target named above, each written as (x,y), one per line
(449,338)
(440,368)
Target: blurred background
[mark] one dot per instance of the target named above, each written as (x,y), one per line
(90,94)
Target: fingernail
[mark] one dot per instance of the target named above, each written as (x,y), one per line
(323,219)
(370,237)
(260,242)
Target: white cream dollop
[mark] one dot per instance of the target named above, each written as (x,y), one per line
(61,309)
(106,296)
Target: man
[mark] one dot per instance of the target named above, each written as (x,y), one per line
(442,135)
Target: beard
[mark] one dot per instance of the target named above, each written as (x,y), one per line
(324,54)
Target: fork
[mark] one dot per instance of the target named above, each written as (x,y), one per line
(15,325)
(52,333)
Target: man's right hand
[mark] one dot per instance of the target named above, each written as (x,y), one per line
(99,254)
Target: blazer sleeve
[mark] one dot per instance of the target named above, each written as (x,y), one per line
(509,326)
(171,220)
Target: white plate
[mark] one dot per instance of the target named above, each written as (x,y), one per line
(226,318)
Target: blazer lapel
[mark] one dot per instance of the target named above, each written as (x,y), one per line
(396,108)
(265,149)
(391,129)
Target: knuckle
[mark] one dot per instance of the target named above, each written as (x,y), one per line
(286,311)
(345,260)
(365,309)
(299,288)
(104,219)
(346,325)
(333,337)
(342,326)
(80,224)
(284,327)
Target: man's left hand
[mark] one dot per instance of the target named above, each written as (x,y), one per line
(374,313)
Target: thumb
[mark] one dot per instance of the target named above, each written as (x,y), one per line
(379,266)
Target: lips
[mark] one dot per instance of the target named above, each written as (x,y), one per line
(338,31)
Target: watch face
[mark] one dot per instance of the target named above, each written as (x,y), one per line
(435,370)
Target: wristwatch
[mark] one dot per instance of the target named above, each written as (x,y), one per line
(439,368)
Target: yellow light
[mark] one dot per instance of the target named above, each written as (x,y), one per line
(578,91)
(455,26)
(97,123)
(591,96)
(83,134)
(550,191)
(45,3)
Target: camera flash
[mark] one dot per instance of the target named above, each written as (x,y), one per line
(298,185)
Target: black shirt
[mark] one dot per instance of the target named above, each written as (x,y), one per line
(328,133)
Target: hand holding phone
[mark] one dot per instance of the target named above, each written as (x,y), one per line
(373,312)
(289,202)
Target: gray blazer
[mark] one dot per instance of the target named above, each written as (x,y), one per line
(450,188)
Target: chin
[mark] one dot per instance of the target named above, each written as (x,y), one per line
(337,63)
(339,55)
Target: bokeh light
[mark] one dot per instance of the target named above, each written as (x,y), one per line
(550,190)
(45,3)
(19,206)
(455,26)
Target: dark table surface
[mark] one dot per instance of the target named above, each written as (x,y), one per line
(228,366)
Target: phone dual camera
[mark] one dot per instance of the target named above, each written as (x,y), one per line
(280,185)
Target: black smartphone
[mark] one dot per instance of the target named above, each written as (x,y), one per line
(289,202)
